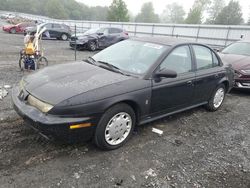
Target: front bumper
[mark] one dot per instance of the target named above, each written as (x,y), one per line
(6,29)
(242,83)
(78,44)
(51,125)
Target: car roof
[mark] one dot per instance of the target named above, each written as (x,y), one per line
(247,41)
(170,41)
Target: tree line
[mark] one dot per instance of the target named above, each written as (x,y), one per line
(217,11)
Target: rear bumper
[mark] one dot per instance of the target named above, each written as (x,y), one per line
(51,125)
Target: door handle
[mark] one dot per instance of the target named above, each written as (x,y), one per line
(216,75)
(190,83)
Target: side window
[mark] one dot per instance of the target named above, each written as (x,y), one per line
(114,30)
(203,56)
(178,60)
(48,26)
(215,60)
(56,26)
(103,30)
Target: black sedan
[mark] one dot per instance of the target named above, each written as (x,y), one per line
(130,83)
(98,38)
(53,31)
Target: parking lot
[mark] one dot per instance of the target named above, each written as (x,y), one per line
(197,148)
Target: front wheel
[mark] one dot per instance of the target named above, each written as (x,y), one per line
(13,31)
(41,62)
(217,98)
(92,45)
(115,127)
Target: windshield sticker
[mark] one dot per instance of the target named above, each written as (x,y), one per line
(155,46)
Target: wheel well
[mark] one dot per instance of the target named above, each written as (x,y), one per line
(64,34)
(226,85)
(134,106)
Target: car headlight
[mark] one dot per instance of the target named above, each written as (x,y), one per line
(246,71)
(40,105)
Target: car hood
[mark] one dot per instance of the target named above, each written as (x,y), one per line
(60,82)
(238,62)
(8,26)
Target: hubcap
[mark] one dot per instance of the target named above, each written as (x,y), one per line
(118,128)
(218,98)
(64,37)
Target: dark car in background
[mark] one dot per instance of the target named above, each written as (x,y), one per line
(18,28)
(53,31)
(98,38)
(129,83)
(238,55)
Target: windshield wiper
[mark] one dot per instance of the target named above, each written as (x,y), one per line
(90,60)
(113,67)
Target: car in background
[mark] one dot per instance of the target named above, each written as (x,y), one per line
(53,31)
(238,55)
(130,83)
(7,16)
(98,38)
(18,28)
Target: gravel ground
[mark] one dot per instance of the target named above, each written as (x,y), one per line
(197,149)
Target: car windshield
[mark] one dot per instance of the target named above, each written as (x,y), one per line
(91,31)
(131,56)
(238,48)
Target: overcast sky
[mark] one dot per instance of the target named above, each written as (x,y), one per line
(135,5)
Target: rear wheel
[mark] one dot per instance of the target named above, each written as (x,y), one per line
(21,63)
(217,98)
(41,62)
(115,127)
(64,37)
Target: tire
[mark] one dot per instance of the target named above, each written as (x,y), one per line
(92,45)
(217,98)
(13,31)
(115,127)
(21,63)
(41,62)
(64,37)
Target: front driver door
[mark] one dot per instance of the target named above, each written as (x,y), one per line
(103,37)
(171,94)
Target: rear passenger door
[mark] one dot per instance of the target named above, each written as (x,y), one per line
(114,35)
(208,72)
(170,94)
(56,31)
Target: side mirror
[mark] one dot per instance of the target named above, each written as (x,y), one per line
(165,73)
(99,33)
